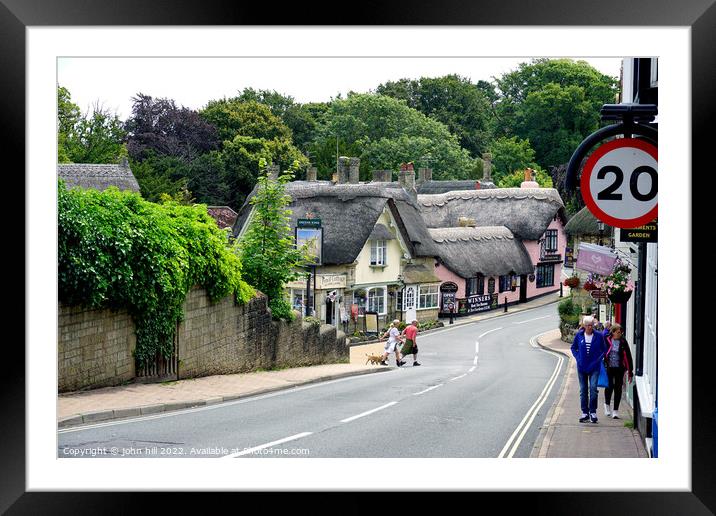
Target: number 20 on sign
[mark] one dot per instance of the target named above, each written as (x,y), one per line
(620,183)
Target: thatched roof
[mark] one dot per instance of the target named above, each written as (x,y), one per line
(438,187)
(527,212)
(99,177)
(583,223)
(418,273)
(491,251)
(349,213)
(380,232)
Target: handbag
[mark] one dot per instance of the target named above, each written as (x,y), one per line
(603,380)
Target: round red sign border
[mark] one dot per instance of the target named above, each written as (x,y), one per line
(587,172)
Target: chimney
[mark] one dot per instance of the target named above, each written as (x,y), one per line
(407,177)
(354,171)
(124,162)
(529,181)
(487,167)
(311,174)
(343,170)
(273,171)
(425,175)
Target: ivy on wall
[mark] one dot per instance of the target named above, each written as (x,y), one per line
(118,251)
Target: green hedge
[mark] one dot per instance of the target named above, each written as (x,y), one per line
(118,251)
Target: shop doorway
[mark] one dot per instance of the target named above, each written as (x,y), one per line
(523,288)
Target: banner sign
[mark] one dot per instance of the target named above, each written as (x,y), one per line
(568,257)
(595,258)
(308,223)
(480,303)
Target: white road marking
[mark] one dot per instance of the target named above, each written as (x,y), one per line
(477,347)
(267,445)
(471,369)
(535,319)
(475,361)
(369,412)
(222,404)
(458,377)
(513,444)
(489,332)
(428,389)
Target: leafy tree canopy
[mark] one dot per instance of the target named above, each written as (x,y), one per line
(368,124)
(160,127)
(510,154)
(455,101)
(515,179)
(235,117)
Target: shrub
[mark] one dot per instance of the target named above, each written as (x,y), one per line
(118,251)
(313,321)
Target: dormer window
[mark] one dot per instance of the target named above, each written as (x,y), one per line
(378,252)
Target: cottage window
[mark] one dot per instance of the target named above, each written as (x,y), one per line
(550,241)
(491,286)
(475,286)
(378,253)
(505,283)
(545,275)
(399,301)
(359,299)
(428,297)
(376,300)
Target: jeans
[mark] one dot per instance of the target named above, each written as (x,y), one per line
(616,379)
(588,381)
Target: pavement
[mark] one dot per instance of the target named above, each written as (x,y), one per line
(561,435)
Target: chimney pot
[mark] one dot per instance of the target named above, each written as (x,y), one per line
(273,171)
(354,170)
(487,167)
(311,174)
(343,170)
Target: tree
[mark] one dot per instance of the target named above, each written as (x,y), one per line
(95,137)
(161,175)
(159,127)
(241,158)
(267,249)
(455,101)
(375,127)
(235,117)
(510,154)
(553,103)
(515,179)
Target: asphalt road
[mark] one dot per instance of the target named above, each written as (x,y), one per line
(483,390)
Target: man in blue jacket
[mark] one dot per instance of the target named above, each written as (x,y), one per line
(588,349)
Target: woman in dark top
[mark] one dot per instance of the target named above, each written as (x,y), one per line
(617,360)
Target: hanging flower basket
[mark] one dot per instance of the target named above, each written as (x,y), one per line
(620,297)
(588,285)
(571,282)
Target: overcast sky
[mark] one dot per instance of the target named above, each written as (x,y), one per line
(192,82)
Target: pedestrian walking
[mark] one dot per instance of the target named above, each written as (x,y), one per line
(410,334)
(391,346)
(618,361)
(588,349)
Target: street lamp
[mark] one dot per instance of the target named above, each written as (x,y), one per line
(600,225)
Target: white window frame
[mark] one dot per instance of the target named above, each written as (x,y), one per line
(378,252)
(425,292)
(369,305)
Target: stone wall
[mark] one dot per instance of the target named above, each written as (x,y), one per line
(214,338)
(94,348)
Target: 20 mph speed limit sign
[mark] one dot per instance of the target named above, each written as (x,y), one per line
(619,183)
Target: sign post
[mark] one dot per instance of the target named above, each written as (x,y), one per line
(310,233)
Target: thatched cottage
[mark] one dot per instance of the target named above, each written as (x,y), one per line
(99,177)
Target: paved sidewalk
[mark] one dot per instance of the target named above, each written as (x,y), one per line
(562,435)
(133,400)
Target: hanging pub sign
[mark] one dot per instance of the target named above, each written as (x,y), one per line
(645,233)
(312,238)
(595,258)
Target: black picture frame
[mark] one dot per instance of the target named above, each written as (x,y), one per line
(16,15)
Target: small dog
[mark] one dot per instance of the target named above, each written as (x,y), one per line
(374,359)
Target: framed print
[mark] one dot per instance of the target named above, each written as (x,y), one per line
(38,38)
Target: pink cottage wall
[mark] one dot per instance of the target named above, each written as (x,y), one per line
(533,248)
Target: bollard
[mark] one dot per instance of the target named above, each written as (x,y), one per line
(451,315)
(505,303)
(560,290)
